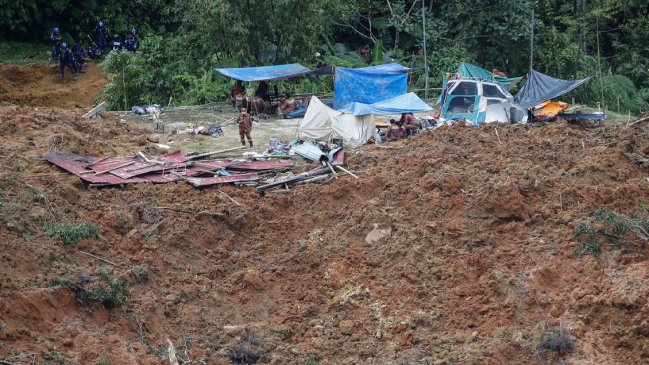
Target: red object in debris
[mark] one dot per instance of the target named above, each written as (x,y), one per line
(339,158)
(77,166)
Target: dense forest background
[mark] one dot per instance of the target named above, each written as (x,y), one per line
(182,41)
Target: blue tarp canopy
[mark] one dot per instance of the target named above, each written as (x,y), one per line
(369,84)
(540,87)
(406,103)
(264,72)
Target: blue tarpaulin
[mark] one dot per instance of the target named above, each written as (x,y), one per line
(406,103)
(264,72)
(369,84)
(540,87)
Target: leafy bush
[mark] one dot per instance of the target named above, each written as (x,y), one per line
(607,226)
(112,296)
(69,233)
(140,274)
(555,341)
(57,281)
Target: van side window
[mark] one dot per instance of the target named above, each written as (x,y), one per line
(492,91)
(466,88)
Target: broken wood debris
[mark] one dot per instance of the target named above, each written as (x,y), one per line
(204,169)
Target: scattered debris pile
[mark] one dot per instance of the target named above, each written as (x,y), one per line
(197,170)
(202,169)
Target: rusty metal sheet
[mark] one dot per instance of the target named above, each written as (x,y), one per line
(144,168)
(77,166)
(262,165)
(207,181)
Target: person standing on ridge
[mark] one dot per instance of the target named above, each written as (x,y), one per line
(245,126)
(67,59)
(56,42)
(99,35)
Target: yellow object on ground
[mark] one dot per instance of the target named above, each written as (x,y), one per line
(550,108)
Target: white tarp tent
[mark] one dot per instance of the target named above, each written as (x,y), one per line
(321,122)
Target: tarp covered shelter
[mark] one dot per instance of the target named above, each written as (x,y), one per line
(540,87)
(406,103)
(264,73)
(322,122)
(369,84)
(467,70)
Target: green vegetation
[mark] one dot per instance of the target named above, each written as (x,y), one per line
(183,41)
(69,233)
(23,52)
(110,292)
(64,283)
(609,227)
(140,274)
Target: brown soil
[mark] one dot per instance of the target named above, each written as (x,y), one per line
(470,260)
(41,85)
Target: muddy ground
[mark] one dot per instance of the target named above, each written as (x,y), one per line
(455,247)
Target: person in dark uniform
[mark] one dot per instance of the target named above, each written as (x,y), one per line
(56,42)
(130,42)
(262,91)
(99,35)
(79,56)
(66,59)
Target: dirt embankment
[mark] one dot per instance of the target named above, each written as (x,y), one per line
(41,85)
(471,256)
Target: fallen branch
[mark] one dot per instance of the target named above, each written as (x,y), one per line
(332,170)
(229,197)
(215,152)
(498,136)
(636,122)
(99,161)
(148,160)
(172,353)
(154,227)
(100,259)
(347,172)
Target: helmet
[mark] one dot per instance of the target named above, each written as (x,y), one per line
(56,29)
(64,45)
(101,24)
(133,31)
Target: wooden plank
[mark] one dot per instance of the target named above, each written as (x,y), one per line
(96,110)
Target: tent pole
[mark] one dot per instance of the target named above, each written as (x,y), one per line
(423,16)
(532,44)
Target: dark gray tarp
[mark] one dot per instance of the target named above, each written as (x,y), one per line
(540,87)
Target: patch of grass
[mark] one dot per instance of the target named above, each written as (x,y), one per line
(555,341)
(104,362)
(311,361)
(23,52)
(64,283)
(69,233)
(113,295)
(105,273)
(606,226)
(53,359)
(140,274)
